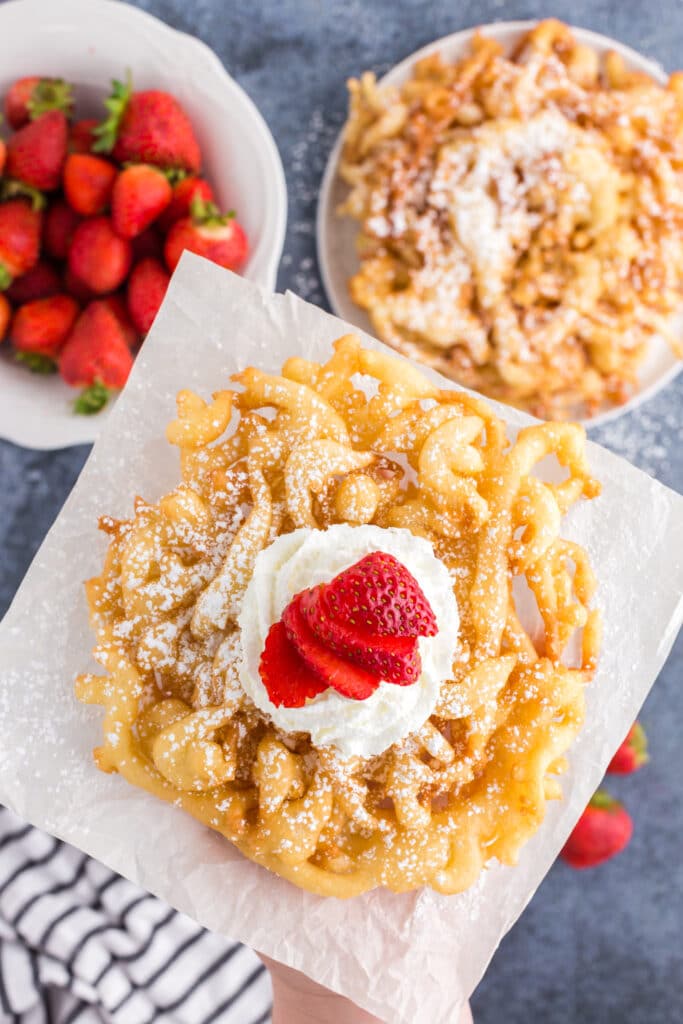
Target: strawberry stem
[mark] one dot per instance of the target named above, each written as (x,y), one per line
(602,800)
(50,94)
(204,212)
(92,399)
(12,189)
(36,362)
(107,131)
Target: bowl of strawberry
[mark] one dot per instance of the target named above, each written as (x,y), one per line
(126,144)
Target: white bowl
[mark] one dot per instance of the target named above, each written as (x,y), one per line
(336,236)
(89,42)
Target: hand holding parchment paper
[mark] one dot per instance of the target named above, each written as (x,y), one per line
(407,958)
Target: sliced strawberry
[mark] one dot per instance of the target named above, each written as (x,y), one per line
(286,677)
(346,678)
(394,658)
(378,595)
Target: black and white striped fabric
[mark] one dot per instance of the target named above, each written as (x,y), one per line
(81,945)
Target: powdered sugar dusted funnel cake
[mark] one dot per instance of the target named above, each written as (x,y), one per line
(425,951)
(313,642)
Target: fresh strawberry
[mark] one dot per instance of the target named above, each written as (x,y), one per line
(117,304)
(141,193)
(208,233)
(284,674)
(30,97)
(632,754)
(95,357)
(3,155)
(77,288)
(148,127)
(5,316)
(88,182)
(378,595)
(148,245)
(345,677)
(394,658)
(36,153)
(60,225)
(602,831)
(44,325)
(37,283)
(98,256)
(184,191)
(20,227)
(81,135)
(146,288)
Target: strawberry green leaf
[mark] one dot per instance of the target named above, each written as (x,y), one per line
(35,362)
(50,94)
(107,132)
(12,189)
(602,800)
(92,399)
(5,278)
(204,212)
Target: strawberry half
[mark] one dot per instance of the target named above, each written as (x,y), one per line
(286,677)
(379,596)
(345,677)
(394,658)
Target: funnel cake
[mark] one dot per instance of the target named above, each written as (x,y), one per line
(299,492)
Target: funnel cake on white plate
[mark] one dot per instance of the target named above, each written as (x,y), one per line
(520,218)
(314,643)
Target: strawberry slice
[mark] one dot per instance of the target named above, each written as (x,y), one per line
(285,675)
(394,658)
(346,678)
(379,596)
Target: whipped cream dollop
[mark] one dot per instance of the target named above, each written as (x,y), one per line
(304,558)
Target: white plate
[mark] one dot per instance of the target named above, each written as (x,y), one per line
(336,236)
(89,42)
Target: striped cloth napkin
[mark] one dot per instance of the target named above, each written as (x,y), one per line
(81,945)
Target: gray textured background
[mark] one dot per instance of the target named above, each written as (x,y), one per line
(603,946)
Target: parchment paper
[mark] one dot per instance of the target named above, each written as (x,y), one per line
(410,959)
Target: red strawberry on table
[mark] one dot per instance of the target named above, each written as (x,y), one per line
(20,228)
(29,97)
(632,754)
(36,153)
(81,135)
(218,237)
(37,283)
(145,292)
(58,230)
(98,257)
(148,127)
(44,325)
(141,193)
(603,830)
(5,316)
(95,356)
(184,191)
(88,182)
